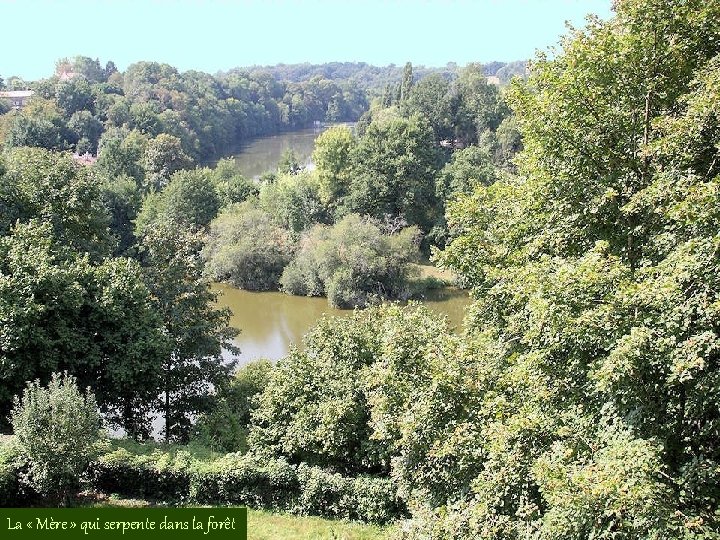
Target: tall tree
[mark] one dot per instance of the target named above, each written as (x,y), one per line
(197,330)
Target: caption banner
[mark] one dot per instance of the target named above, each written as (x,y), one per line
(127,523)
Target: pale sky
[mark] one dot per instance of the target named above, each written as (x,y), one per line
(217,35)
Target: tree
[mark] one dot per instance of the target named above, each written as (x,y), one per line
(163,156)
(352,262)
(336,420)
(120,153)
(231,186)
(430,98)
(226,425)
(394,166)
(39,124)
(407,82)
(86,127)
(196,329)
(56,432)
(74,95)
(52,187)
(590,357)
(189,201)
(477,105)
(246,248)
(293,201)
(60,312)
(331,157)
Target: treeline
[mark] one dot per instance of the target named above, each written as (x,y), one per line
(84,104)
(375,78)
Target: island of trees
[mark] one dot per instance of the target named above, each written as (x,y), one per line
(580,397)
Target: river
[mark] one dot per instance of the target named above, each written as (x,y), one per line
(270,322)
(263,154)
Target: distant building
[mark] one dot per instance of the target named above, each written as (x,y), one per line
(17,98)
(494,80)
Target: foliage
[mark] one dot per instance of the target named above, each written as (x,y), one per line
(245,248)
(189,202)
(394,164)
(58,312)
(352,262)
(196,329)
(249,480)
(293,201)
(56,430)
(325,405)
(230,185)
(163,156)
(226,425)
(43,185)
(331,157)
(589,362)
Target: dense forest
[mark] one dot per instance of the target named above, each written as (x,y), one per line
(579,400)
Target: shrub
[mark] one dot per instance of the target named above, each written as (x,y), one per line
(56,430)
(159,475)
(353,262)
(246,249)
(11,492)
(254,480)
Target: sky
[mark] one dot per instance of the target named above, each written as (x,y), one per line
(218,35)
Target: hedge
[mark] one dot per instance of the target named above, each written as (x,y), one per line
(259,482)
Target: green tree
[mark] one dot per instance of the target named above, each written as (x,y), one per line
(39,124)
(56,431)
(60,312)
(85,126)
(394,167)
(231,186)
(331,157)
(120,153)
(74,95)
(246,248)
(407,82)
(431,99)
(49,186)
(337,415)
(293,201)
(197,330)
(188,201)
(352,262)
(162,157)
(226,425)
(591,360)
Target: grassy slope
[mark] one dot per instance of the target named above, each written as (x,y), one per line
(269,526)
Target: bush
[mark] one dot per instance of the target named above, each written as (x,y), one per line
(353,262)
(246,249)
(252,480)
(159,475)
(56,430)
(335,496)
(11,490)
